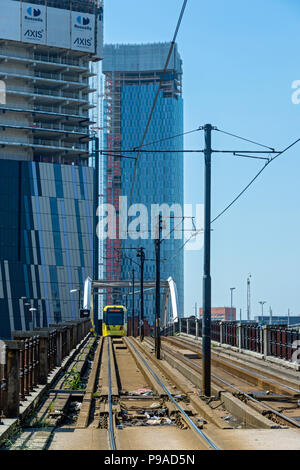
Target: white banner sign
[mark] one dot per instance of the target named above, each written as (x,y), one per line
(33,23)
(10,21)
(83,32)
(58,28)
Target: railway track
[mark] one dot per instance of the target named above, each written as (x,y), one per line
(116,404)
(291,393)
(132,401)
(190,422)
(249,371)
(111,421)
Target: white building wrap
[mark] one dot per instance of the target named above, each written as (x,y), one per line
(33,23)
(10,29)
(38,24)
(83,32)
(58,28)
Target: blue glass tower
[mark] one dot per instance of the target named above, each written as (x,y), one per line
(46,241)
(132,76)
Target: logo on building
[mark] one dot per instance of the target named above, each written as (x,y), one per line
(83,42)
(83,21)
(33,12)
(34,34)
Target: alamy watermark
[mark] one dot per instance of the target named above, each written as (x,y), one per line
(296,353)
(140,222)
(296,93)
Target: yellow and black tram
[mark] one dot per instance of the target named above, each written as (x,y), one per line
(114,321)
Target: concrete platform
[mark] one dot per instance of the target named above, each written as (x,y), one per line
(257,439)
(188,354)
(160,438)
(79,439)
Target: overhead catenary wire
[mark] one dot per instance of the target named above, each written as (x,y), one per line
(156,96)
(243,138)
(171,137)
(254,179)
(196,233)
(135,149)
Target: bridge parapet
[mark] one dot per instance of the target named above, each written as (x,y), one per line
(278,342)
(31,356)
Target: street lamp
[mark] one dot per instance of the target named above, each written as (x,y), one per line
(262,303)
(232,289)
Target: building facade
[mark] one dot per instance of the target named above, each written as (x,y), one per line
(47,221)
(220,314)
(132,76)
(46,241)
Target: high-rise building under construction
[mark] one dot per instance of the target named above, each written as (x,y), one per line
(132,76)
(47,48)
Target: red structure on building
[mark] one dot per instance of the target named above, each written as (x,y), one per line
(221,314)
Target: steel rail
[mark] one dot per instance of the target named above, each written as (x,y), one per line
(187,418)
(234,387)
(256,374)
(110,418)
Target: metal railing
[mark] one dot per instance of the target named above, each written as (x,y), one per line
(284,342)
(29,366)
(229,333)
(3,388)
(55,59)
(31,357)
(215,331)
(183,325)
(252,338)
(267,340)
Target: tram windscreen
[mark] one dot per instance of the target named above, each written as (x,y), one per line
(114,316)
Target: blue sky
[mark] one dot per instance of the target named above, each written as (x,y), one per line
(240,59)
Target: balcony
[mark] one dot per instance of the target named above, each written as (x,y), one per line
(50,78)
(50,111)
(72,63)
(47,94)
(51,145)
(49,127)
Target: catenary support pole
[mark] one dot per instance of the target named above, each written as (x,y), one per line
(95,237)
(206,321)
(157,290)
(141,254)
(133,280)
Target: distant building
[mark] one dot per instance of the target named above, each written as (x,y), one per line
(278,320)
(221,314)
(132,76)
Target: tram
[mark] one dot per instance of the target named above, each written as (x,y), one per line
(114,321)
